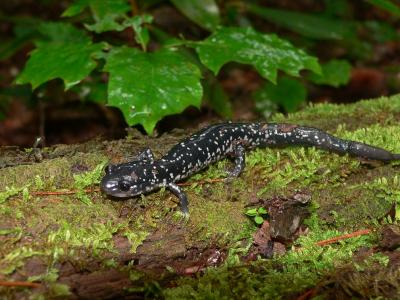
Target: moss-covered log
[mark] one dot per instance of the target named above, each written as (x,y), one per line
(59,231)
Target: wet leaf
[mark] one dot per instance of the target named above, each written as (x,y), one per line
(262,211)
(288,92)
(251,212)
(107,23)
(148,86)
(141,33)
(106,13)
(75,8)
(259,220)
(61,32)
(334,73)
(311,26)
(66,53)
(99,8)
(267,53)
(204,13)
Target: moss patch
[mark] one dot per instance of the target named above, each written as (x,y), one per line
(84,228)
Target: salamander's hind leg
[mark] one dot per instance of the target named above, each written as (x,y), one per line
(240,160)
(183,202)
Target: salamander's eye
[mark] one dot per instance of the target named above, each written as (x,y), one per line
(124,185)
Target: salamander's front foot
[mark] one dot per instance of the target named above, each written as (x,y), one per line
(182,217)
(183,202)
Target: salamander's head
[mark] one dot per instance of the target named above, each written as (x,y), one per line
(130,179)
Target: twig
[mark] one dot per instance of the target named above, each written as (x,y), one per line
(20,284)
(343,237)
(307,295)
(56,193)
(134,7)
(311,292)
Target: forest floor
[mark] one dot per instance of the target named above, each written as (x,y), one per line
(332,221)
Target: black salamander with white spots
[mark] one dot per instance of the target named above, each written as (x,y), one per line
(145,174)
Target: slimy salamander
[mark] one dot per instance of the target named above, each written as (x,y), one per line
(192,154)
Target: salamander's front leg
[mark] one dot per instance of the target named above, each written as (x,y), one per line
(183,202)
(240,160)
(146,155)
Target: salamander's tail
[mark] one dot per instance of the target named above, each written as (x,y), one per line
(286,134)
(370,152)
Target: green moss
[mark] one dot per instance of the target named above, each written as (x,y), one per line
(346,194)
(378,135)
(223,219)
(50,174)
(385,111)
(270,279)
(15,259)
(137,236)
(371,261)
(97,237)
(87,179)
(9,192)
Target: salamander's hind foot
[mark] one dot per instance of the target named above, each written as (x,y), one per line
(240,160)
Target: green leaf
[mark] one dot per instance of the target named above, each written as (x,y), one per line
(381,32)
(94,91)
(251,212)
(107,23)
(218,99)
(265,107)
(76,8)
(337,8)
(106,13)
(70,62)
(204,13)
(61,32)
(60,290)
(386,5)
(148,86)
(141,32)
(334,73)
(259,220)
(99,8)
(311,26)
(68,56)
(98,93)
(289,93)
(262,211)
(267,53)
(23,34)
